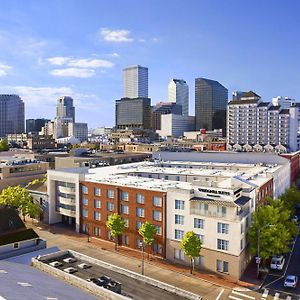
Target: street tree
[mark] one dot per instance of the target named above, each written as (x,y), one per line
(291,198)
(20,199)
(116,227)
(191,246)
(148,232)
(4,145)
(271,230)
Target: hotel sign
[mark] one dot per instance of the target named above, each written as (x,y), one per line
(214,192)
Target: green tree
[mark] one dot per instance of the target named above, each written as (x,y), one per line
(191,246)
(291,198)
(4,145)
(148,232)
(20,199)
(272,229)
(116,226)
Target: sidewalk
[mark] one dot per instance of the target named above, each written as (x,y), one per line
(200,283)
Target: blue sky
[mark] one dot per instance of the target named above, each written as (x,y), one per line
(51,48)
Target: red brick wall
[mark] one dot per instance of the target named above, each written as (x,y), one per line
(264,191)
(131,232)
(295,164)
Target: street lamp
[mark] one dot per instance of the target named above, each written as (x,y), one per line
(258,258)
(142,246)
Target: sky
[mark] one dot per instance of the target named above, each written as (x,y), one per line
(53,48)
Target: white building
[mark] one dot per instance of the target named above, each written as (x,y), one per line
(79,131)
(253,125)
(178,92)
(135,82)
(173,125)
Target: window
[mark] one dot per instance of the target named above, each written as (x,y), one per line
(179,219)
(247,222)
(97,216)
(242,244)
(125,239)
(110,194)
(178,254)
(85,228)
(110,206)
(200,237)
(198,223)
(222,266)
(126,222)
(140,212)
(179,234)
(97,231)
(179,204)
(139,225)
(223,244)
(140,198)
(138,243)
(157,248)
(125,196)
(85,213)
(158,230)
(16,245)
(221,211)
(84,189)
(177,178)
(125,209)
(223,228)
(97,191)
(97,203)
(242,228)
(157,201)
(157,215)
(84,201)
(166,177)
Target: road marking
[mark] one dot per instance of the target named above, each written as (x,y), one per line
(288,298)
(235,298)
(265,294)
(276,297)
(220,294)
(243,295)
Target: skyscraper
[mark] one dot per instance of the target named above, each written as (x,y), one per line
(135,82)
(178,92)
(12,116)
(210,104)
(65,108)
(35,125)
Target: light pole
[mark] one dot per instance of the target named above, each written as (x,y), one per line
(258,258)
(143,256)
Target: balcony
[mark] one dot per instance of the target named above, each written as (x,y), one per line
(67,201)
(66,212)
(66,190)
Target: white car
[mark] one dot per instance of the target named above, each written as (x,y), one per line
(84,266)
(295,219)
(290,281)
(70,270)
(277,262)
(70,260)
(55,264)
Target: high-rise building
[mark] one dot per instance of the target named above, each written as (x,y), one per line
(65,108)
(254,125)
(178,92)
(12,116)
(135,82)
(133,113)
(35,125)
(210,104)
(163,108)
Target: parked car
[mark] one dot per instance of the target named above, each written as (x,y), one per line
(277,262)
(295,219)
(70,260)
(55,264)
(70,270)
(84,266)
(290,281)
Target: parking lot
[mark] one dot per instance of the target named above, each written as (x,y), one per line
(129,287)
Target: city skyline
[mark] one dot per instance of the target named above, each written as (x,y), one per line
(54,49)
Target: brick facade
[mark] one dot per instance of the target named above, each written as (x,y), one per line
(124,201)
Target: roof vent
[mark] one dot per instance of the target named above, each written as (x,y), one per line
(24,284)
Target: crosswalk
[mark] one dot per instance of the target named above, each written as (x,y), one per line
(245,294)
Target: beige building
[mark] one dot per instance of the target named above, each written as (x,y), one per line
(20,171)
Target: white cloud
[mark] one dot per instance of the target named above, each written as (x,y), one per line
(58,60)
(4,68)
(118,36)
(90,63)
(73,72)
(115,54)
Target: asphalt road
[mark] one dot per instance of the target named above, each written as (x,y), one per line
(275,280)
